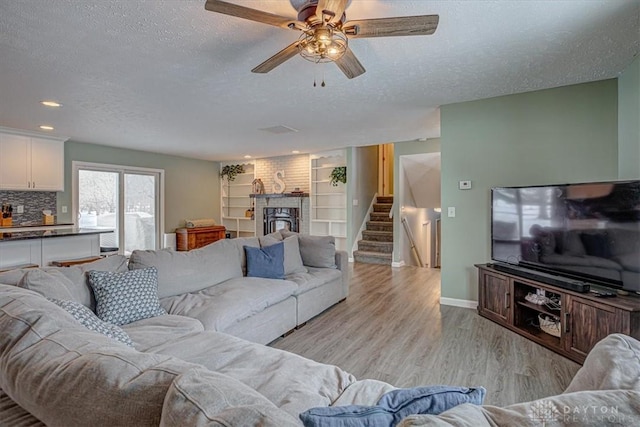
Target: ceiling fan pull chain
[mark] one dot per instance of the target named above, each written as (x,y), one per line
(323,84)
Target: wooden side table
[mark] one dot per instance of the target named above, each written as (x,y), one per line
(197,237)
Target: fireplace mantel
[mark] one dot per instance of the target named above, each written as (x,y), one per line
(277,195)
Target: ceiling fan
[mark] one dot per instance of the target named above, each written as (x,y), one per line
(325,31)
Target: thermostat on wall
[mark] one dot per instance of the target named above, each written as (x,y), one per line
(464,185)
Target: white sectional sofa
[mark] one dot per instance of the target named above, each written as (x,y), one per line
(60,367)
(210,284)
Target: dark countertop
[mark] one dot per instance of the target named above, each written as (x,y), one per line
(43,234)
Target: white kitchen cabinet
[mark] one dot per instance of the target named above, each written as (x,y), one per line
(15,170)
(47,165)
(31,161)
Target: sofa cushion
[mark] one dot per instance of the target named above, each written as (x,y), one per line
(313,278)
(203,398)
(394,406)
(181,272)
(291,382)
(613,363)
(123,298)
(586,408)
(316,251)
(81,290)
(147,333)
(240,243)
(66,375)
(267,262)
(77,283)
(14,415)
(51,284)
(220,306)
(89,320)
(292,259)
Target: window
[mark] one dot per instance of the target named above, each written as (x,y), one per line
(124,199)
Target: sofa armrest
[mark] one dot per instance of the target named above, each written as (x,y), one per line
(342,262)
(612,364)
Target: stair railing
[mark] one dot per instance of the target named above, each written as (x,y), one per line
(414,249)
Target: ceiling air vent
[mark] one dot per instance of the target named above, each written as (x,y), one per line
(280,129)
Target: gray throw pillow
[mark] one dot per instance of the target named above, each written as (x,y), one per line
(89,320)
(318,251)
(50,284)
(292,259)
(123,298)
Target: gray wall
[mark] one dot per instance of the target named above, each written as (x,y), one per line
(567,134)
(402,149)
(629,122)
(192,187)
(362,185)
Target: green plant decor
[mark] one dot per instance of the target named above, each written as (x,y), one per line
(338,174)
(230,171)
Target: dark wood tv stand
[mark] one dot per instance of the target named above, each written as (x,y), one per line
(584,318)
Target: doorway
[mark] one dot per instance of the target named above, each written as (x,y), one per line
(125,200)
(385,169)
(419,201)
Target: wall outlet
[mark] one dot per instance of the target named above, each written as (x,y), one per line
(64,209)
(355,202)
(20,209)
(451,212)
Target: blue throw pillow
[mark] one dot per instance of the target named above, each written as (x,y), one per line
(393,407)
(267,262)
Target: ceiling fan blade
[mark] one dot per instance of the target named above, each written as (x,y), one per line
(385,27)
(335,7)
(350,65)
(248,13)
(277,59)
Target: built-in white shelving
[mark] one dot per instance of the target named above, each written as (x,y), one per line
(328,203)
(236,202)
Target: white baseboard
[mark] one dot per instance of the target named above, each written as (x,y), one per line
(459,302)
(397,264)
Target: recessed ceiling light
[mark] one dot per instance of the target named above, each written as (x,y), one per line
(46,127)
(247,156)
(51,104)
(296,152)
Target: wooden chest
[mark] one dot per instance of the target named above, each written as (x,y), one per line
(193,238)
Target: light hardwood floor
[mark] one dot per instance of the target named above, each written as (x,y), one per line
(392,328)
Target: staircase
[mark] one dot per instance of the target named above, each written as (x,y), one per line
(376,245)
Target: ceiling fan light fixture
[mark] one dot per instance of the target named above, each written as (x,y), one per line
(323,44)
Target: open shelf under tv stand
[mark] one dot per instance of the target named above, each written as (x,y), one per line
(584,318)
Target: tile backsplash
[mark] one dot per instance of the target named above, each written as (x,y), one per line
(34,203)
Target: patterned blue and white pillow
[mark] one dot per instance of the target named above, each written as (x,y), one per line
(123,298)
(89,320)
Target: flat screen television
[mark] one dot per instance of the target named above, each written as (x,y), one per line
(588,232)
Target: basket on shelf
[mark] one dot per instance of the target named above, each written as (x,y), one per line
(549,324)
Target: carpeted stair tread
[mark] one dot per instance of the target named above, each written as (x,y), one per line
(382,207)
(380,216)
(372,257)
(373,246)
(380,226)
(378,235)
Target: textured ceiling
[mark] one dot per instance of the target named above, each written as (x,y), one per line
(170,77)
